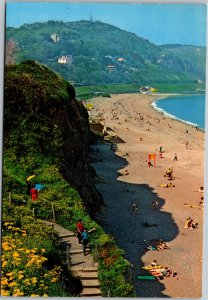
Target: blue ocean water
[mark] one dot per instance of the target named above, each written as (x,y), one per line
(189,109)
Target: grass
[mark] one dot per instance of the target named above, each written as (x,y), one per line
(87,92)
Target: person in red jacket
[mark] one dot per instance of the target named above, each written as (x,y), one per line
(80,229)
(34,193)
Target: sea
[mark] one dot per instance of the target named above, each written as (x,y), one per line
(189,109)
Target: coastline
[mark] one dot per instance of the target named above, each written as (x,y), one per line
(171,116)
(144,130)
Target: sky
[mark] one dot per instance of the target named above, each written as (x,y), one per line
(159,23)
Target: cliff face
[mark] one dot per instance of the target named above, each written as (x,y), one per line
(42,118)
(74,125)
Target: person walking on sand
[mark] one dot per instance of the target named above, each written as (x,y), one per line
(80,229)
(134,208)
(85,239)
(155,204)
(175,157)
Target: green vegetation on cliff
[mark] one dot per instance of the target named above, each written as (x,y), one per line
(46,132)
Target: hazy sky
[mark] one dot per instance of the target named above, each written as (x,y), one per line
(159,23)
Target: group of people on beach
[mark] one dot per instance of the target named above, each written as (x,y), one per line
(161,272)
(189,224)
(169,182)
(158,245)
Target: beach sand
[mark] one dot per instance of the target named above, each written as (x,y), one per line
(143,131)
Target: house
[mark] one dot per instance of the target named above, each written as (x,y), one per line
(55,37)
(110,68)
(120,59)
(147,90)
(72,82)
(65,59)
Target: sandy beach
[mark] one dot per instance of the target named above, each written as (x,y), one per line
(126,178)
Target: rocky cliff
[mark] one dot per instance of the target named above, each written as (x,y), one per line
(43,118)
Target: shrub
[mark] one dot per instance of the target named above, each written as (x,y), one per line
(23,272)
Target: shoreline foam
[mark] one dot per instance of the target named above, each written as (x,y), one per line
(165,113)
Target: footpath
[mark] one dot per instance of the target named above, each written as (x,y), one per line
(80,266)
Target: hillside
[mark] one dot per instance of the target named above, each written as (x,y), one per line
(48,124)
(46,132)
(99,53)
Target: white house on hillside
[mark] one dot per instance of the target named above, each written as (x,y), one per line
(120,59)
(55,37)
(65,59)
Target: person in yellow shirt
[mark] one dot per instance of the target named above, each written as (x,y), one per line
(187,222)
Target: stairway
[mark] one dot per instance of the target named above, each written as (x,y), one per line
(81,266)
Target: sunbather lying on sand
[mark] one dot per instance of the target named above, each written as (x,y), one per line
(153,265)
(158,245)
(165,272)
(167,185)
(162,246)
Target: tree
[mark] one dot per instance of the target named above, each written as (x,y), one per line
(11,47)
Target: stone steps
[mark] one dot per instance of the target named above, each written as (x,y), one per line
(77,268)
(80,266)
(77,250)
(66,235)
(92,283)
(90,269)
(90,292)
(88,275)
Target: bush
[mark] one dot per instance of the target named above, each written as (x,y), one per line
(23,272)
